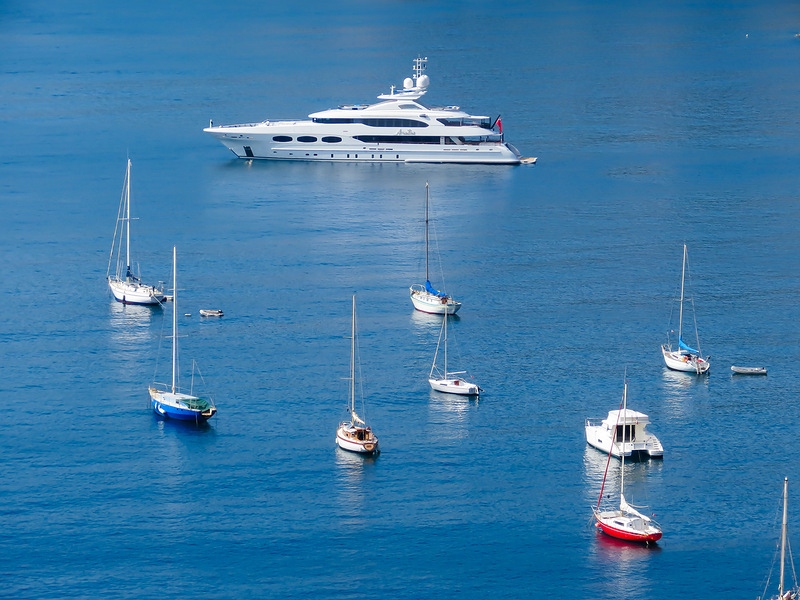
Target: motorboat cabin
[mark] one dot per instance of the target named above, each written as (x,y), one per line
(624,432)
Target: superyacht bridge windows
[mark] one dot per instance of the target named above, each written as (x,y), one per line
(484,122)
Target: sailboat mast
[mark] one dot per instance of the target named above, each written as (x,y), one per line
(427,277)
(128,221)
(622,449)
(353,361)
(783,534)
(445,345)
(683,279)
(608,460)
(174,316)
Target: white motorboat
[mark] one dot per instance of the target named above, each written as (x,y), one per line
(624,433)
(125,285)
(624,523)
(683,357)
(211,312)
(425,297)
(399,128)
(167,400)
(449,382)
(355,435)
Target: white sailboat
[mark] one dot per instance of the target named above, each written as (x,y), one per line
(449,382)
(169,401)
(355,435)
(625,523)
(126,286)
(783,593)
(683,357)
(425,297)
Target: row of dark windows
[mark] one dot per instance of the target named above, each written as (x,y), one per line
(460,122)
(330,139)
(398,139)
(376,122)
(368,139)
(385,139)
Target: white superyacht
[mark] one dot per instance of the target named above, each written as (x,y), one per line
(399,128)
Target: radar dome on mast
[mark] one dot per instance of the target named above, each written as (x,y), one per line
(413,87)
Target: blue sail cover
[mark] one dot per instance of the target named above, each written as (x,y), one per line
(687,348)
(129,275)
(431,290)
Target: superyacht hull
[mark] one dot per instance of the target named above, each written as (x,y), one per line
(249,143)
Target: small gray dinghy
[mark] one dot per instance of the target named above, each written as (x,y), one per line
(749,370)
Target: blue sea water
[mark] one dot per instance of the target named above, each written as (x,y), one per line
(655,124)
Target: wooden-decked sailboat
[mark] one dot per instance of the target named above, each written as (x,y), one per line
(355,435)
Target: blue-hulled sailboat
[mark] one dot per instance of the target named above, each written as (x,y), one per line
(168,401)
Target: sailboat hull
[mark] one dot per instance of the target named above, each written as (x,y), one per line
(135,293)
(455,386)
(687,363)
(432,304)
(181,407)
(625,528)
(347,438)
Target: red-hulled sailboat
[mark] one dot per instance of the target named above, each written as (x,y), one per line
(626,523)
